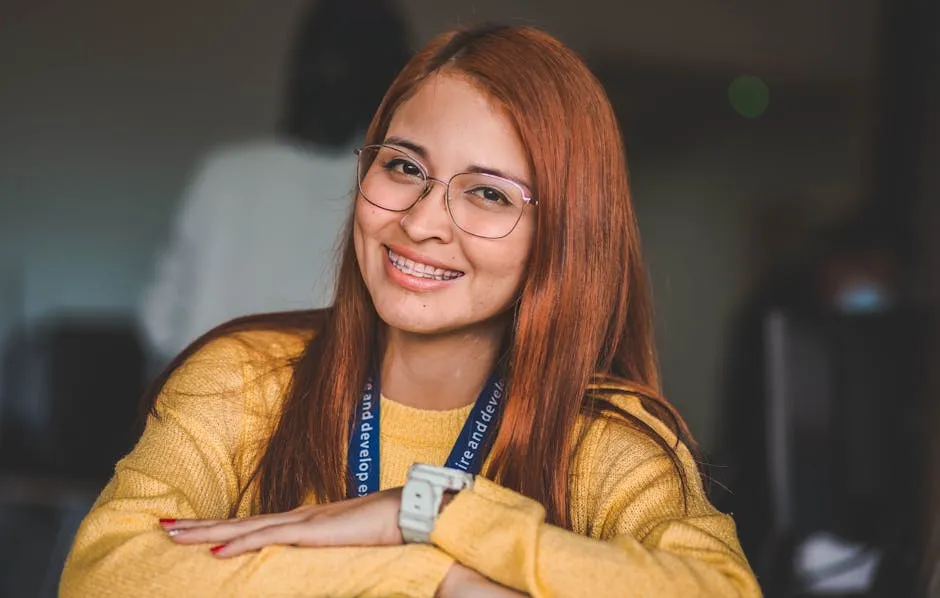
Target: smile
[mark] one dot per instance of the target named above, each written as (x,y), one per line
(419,270)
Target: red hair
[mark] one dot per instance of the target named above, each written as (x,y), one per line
(583,314)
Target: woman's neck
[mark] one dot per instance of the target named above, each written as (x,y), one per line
(441,371)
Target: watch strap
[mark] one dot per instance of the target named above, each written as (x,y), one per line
(422,496)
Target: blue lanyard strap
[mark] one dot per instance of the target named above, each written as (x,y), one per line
(363,458)
(468,453)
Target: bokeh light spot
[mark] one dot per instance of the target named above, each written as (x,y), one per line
(749,96)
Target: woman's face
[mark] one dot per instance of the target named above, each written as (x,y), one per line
(450,127)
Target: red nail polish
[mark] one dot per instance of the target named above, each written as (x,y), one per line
(216,549)
(167,521)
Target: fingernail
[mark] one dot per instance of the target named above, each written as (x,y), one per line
(167,521)
(216,549)
(174,532)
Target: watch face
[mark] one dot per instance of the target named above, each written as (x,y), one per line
(445,477)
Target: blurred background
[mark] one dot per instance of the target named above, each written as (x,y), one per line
(785,159)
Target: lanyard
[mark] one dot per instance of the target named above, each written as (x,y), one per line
(467,454)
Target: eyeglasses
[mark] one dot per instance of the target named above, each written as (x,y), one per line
(483,205)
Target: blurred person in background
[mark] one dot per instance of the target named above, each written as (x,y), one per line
(834,280)
(256,230)
(492,317)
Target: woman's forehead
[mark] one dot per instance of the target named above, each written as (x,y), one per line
(456,124)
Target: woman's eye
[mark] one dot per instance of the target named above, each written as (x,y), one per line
(403,166)
(490,194)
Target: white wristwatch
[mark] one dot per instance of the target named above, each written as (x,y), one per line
(421,499)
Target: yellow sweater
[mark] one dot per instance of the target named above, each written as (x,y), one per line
(631,535)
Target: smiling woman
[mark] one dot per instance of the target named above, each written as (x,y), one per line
(409,226)
(478,413)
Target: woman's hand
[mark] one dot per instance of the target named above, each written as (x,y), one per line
(367,521)
(462,581)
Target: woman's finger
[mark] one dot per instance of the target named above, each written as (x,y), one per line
(169,524)
(181,524)
(294,533)
(226,530)
(342,529)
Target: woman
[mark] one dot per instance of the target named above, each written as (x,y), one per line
(492,313)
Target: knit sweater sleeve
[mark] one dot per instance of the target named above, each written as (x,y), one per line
(191,463)
(638,537)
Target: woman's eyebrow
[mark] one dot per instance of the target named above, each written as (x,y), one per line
(411,145)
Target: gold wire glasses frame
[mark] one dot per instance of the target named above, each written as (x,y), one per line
(480,204)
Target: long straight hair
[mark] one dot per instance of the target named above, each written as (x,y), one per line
(583,315)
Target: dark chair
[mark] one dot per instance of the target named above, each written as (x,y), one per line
(68,412)
(845,433)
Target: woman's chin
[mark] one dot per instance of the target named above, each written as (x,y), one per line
(418,325)
(432,322)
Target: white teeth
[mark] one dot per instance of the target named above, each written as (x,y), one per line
(420,270)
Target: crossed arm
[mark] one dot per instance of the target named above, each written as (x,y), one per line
(185,470)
